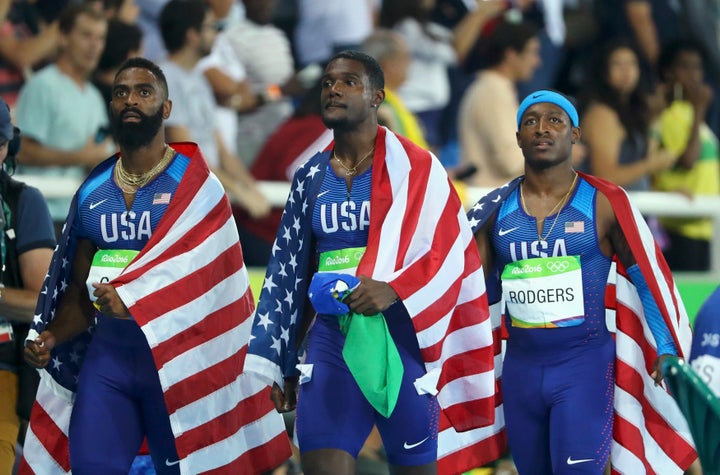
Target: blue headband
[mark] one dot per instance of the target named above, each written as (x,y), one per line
(551,97)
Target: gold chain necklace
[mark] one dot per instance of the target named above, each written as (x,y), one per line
(130,182)
(557,207)
(353,170)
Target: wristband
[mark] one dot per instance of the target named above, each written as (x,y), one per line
(654,319)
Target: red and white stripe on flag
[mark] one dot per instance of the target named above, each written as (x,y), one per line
(446,301)
(650,433)
(477,447)
(197,322)
(46,450)
(189,291)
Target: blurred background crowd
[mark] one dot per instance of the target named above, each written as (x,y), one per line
(244,81)
(244,75)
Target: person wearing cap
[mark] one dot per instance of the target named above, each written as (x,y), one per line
(562,251)
(27,239)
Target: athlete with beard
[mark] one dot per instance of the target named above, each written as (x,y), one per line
(119,399)
(548,240)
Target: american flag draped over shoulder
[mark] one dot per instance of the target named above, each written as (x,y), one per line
(188,289)
(650,433)
(420,243)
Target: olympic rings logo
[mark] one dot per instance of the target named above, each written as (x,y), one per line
(557,266)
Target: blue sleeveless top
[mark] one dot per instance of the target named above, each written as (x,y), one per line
(103,218)
(341,218)
(573,233)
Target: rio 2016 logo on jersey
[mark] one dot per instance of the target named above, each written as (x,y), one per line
(525,250)
(125,226)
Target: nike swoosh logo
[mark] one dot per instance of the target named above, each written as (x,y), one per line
(170,464)
(536,96)
(503,232)
(320,194)
(410,446)
(570,461)
(95,205)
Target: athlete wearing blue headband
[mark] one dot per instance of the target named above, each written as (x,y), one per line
(553,242)
(553,98)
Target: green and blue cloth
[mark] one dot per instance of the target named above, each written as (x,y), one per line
(369,350)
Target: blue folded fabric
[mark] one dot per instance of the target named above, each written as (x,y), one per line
(369,350)
(327,289)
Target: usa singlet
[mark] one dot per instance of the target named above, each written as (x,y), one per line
(559,363)
(332,411)
(119,398)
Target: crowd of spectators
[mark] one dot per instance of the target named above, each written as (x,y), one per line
(244,74)
(455,71)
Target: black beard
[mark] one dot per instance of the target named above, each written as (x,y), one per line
(135,135)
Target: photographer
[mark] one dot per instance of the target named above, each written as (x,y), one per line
(27,241)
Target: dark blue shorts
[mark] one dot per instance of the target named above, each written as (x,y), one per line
(559,410)
(332,412)
(119,402)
